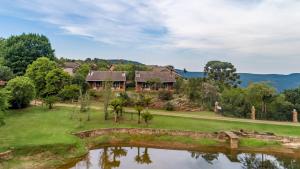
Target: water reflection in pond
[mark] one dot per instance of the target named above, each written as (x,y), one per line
(150,158)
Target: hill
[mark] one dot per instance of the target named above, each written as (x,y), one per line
(280,82)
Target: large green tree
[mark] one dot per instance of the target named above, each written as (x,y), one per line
(224,73)
(56,79)
(293,96)
(22,50)
(260,95)
(37,72)
(22,91)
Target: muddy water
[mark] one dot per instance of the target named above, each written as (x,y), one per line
(151,158)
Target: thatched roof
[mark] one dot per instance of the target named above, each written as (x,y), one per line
(106,76)
(146,76)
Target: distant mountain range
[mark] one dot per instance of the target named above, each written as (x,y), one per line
(280,82)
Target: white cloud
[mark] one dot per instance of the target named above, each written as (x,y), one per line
(240,27)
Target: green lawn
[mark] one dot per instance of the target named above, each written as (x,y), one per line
(38,129)
(39,126)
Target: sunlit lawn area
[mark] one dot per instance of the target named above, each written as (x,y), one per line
(37,126)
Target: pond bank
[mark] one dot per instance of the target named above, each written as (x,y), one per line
(287,141)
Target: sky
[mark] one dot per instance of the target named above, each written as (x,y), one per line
(257,36)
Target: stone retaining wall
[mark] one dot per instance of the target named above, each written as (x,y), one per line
(192,134)
(146,131)
(6,155)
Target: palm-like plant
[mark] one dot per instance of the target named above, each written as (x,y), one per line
(117,107)
(139,109)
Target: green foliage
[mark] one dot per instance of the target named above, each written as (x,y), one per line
(107,97)
(224,73)
(4,97)
(83,69)
(5,73)
(165,95)
(22,50)
(234,102)
(70,92)
(293,96)
(56,79)
(205,93)
(22,91)
(260,95)
(79,80)
(147,117)
(38,71)
(179,86)
(117,107)
(169,106)
(50,100)
(84,102)
(130,69)
(280,109)
(125,98)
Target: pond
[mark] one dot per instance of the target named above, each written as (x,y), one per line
(152,158)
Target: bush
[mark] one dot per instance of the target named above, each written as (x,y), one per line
(125,98)
(22,91)
(95,94)
(165,95)
(50,100)
(147,117)
(69,92)
(169,106)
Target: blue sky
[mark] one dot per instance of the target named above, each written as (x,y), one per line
(258,36)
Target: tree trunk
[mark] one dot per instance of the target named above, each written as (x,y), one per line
(116,117)
(139,121)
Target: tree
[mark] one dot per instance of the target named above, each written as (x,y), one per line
(83,69)
(22,50)
(2,41)
(260,94)
(179,86)
(50,100)
(107,97)
(234,102)
(4,97)
(117,108)
(293,96)
(37,72)
(139,107)
(56,79)
(70,92)
(224,73)
(22,91)
(5,73)
(147,117)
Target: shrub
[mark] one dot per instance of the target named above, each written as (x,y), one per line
(69,92)
(165,95)
(2,122)
(125,98)
(22,91)
(147,117)
(50,100)
(169,106)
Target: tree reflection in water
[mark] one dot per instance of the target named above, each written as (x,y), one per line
(144,158)
(106,162)
(111,157)
(208,157)
(252,161)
